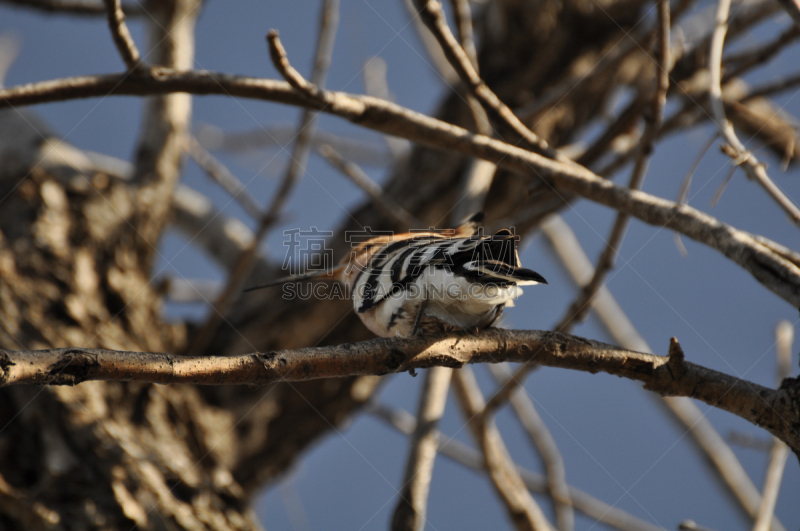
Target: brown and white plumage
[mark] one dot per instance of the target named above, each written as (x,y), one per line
(430,281)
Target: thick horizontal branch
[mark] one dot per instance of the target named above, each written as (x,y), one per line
(773,271)
(775,410)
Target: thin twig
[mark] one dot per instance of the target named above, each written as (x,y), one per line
(364,151)
(686,184)
(543,440)
(613,317)
(410,512)
(474,187)
(722,186)
(784,337)
(281,61)
(223,176)
(772,88)
(432,14)
(222,237)
(758,56)
(754,169)
(165,121)
(376,84)
(329,20)
(605,263)
(612,516)
(478,178)
(772,484)
(122,36)
(463,17)
(522,508)
(359,177)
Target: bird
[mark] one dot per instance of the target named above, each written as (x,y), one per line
(420,282)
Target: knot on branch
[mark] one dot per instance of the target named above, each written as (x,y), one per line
(268,358)
(676,358)
(395,359)
(72,369)
(5,361)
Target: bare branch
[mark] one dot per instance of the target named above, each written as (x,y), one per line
(522,508)
(360,150)
(758,56)
(741,156)
(772,409)
(720,455)
(431,46)
(279,58)
(186,290)
(222,237)
(357,176)
(410,512)
(580,307)
(772,484)
(784,337)
(165,120)
(240,274)
(543,440)
(459,452)
(432,14)
(463,15)
(376,84)
(478,179)
(223,176)
(776,273)
(774,87)
(122,36)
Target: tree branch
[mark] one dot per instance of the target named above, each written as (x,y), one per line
(580,306)
(741,156)
(612,516)
(724,461)
(359,177)
(784,337)
(122,36)
(240,274)
(775,272)
(543,441)
(223,176)
(412,507)
(165,120)
(523,510)
(432,15)
(773,409)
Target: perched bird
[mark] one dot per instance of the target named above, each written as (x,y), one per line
(426,281)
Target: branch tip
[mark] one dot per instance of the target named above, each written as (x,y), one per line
(676,359)
(281,61)
(675,350)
